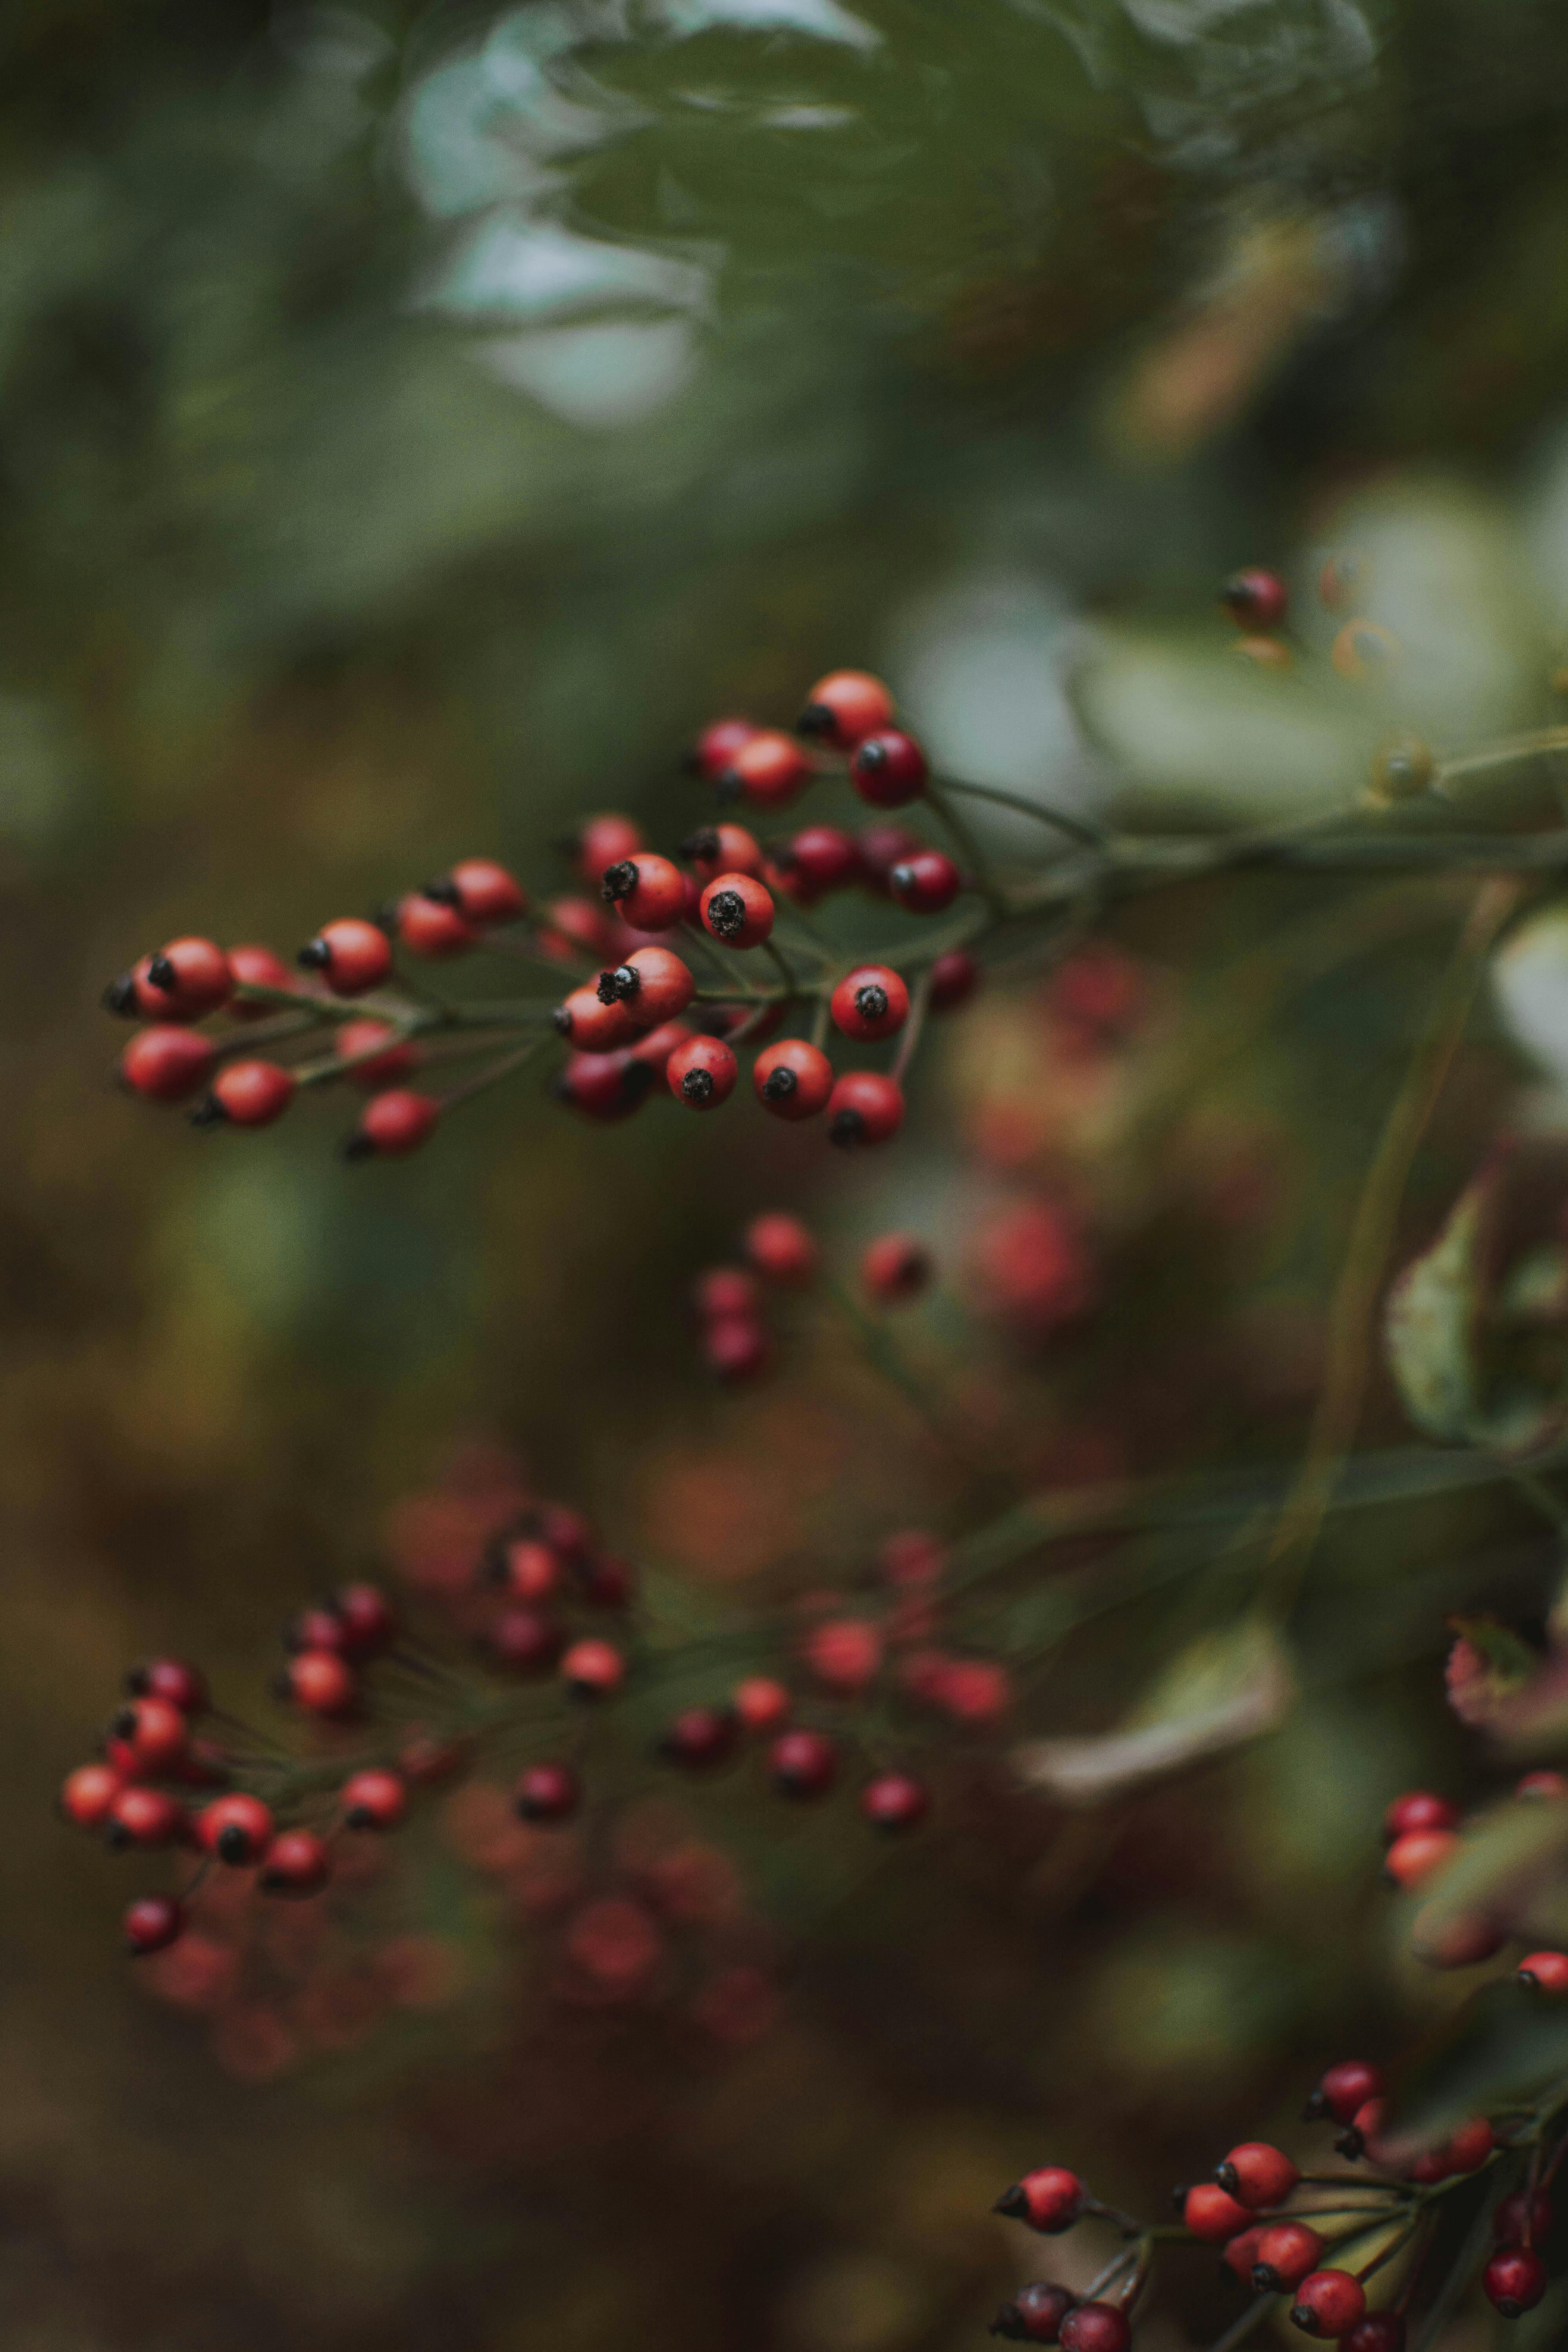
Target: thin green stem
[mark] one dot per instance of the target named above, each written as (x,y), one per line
(1044,812)
(968,848)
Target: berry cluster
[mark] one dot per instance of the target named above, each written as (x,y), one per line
(782,1254)
(1424,1833)
(1277,2227)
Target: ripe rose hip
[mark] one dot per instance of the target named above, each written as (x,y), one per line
(844,1654)
(1241,2253)
(1419,1809)
(167,1064)
(296,1863)
(1363,2129)
(592,1669)
(592,1022)
(880,847)
(86,1794)
(530,1568)
(735,1346)
(1212,2214)
(737,910)
(1255,599)
(481,891)
(925,883)
(393,1125)
(1049,2199)
(781,1249)
(1514,2280)
(888,768)
(321,1682)
(152,1924)
(253,966)
(657,1047)
(1380,2331)
(236,1829)
(150,1737)
(1418,1855)
(374,1800)
(717,745)
(606,1086)
(760,1704)
(726,1290)
(248,1094)
(1549,1785)
(803,1764)
(895,1801)
(648,890)
(699,1737)
(145,1817)
(818,859)
(572,927)
(1035,2314)
(843,708)
(863,1108)
(602,841)
(701,1074)
(895,1267)
(653,984)
(433,928)
(1545,1971)
(724,849)
(793,1079)
(1342,2089)
(954,977)
(1286,2252)
(351,955)
(367,1618)
(768,769)
(1257,2174)
(871,1001)
(526,1641)
(1096,2327)
(189,978)
(1328,2302)
(547,1792)
(354,1038)
(1469,2147)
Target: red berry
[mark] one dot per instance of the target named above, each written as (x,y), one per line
(1257,2174)
(1342,2089)
(315,1628)
(657,1047)
(483,891)
(911,1560)
(1454,1939)
(1419,1809)
(793,1079)
(182,1685)
(166,1064)
(818,859)
(526,1641)
(653,984)
(724,849)
(1049,2199)
(700,1738)
(1469,2147)
(1286,2252)
(1542,1784)
(605,841)
(648,891)
(701,1074)
(1412,1858)
(888,768)
(738,910)
(871,1001)
(86,1794)
(1035,2314)
(767,768)
(1521,2218)
(894,1268)
(925,883)
(547,1792)
(1515,2281)
(1363,2129)
(1241,2253)
(1212,2214)
(248,1094)
(1330,2303)
(433,928)
(1545,1971)
(258,967)
(237,1829)
(781,1249)
(354,1038)
(954,977)
(760,1704)
(352,954)
(529,1569)
(186,978)
(803,1764)
(844,1654)
(594,1022)
(1096,2327)
(735,1346)
(592,1669)
(296,1863)
(894,1801)
(606,1086)
(368,1619)
(726,1290)
(321,1682)
(1380,2331)
(393,1125)
(879,848)
(863,1109)
(716,747)
(374,1799)
(145,1817)
(572,927)
(1255,599)
(843,708)
(149,1738)
(152,1924)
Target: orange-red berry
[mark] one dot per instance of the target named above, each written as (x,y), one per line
(701,1073)
(237,1829)
(1049,2199)
(248,1094)
(768,769)
(895,1267)
(1328,2302)
(889,768)
(296,1863)
(781,1249)
(792,1078)
(843,708)
(738,910)
(1545,1971)
(374,1800)
(1257,2174)
(592,1669)
(152,1924)
(648,890)
(864,1107)
(396,1123)
(871,1001)
(167,1064)
(351,954)
(1212,2214)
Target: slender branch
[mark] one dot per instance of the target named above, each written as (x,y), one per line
(1043,812)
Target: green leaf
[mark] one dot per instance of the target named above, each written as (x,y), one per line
(1508,2047)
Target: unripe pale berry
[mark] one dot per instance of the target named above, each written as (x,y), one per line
(1402,769)
(547,1792)
(1255,599)
(351,954)
(648,891)
(768,769)
(1514,2280)
(296,1863)
(374,1800)
(433,928)
(236,1829)
(803,1764)
(1096,2327)
(738,910)
(1344,580)
(717,745)
(1256,2174)
(1049,2199)
(701,1074)
(792,1078)
(1328,2302)
(895,1801)
(865,1107)
(152,1924)
(166,1064)
(871,1001)
(248,1094)
(393,1125)
(1365,651)
(895,1267)
(888,768)
(925,883)
(781,1249)
(843,708)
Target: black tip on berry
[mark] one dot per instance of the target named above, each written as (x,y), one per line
(359,1817)
(208,1112)
(561,1020)
(728,786)
(1304,2316)
(818,719)
(136,1682)
(697,1086)
(1266,2279)
(1509,2309)
(726,913)
(1316,2108)
(780,1083)
(385,917)
(1351,2143)
(314,956)
(701,845)
(871,1001)
(560,1087)
(627,981)
(606,992)
(162,973)
(444,891)
(124,1724)
(359,1146)
(120,996)
(1224,2174)
(1012,2203)
(870,757)
(233,1843)
(117,1837)
(845,1128)
(619,880)
(1008,2322)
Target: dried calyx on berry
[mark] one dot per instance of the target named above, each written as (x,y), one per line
(619,987)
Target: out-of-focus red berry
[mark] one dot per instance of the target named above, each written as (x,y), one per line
(954,977)
(296,1863)
(86,1794)
(845,1655)
(760,1704)
(715,748)
(237,1829)
(1050,2199)
(351,954)
(395,1124)
(865,1107)
(167,1064)
(485,892)
(152,1924)
(145,1817)
(547,1792)
(592,1669)
(604,841)
(781,1249)
(374,1800)
(1415,1857)
(889,768)
(735,1346)
(818,859)
(895,1801)
(895,1267)
(803,1764)
(717,849)
(1545,1971)
(354,1038)
(1514,2280)
(432,928)
(250,1094)
(768,769)
(1419,1809)
(322,1682)
(526,1641)
(925,883)
(253,966)
(1255,599)
(843,708)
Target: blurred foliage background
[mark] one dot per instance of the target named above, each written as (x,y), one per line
(414,421)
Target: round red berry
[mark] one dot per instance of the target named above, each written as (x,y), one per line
(530,1568)
(150,1737)
(187,979)
(768,769)
(525,1640)
(236,1829)
(1414,1858)
(357,1041)
(653,984)
(1257,2174)
(1255,599)
(351,954)
(701,1074)
(879,848)
(760,1704)
(145,1817)
(167,1064)
(1419,1809)
(606,1086)
(895,1267)
(595,1023)
(888,768)
(781,1249)
(88,1793)
(592,1669)
(1515,2281)
(1212,2214)
(793,1079)
(1545,1971)
(368,1619)
(1550,1785)
(843,708)
(735,1346)
(925,883)
(182,1685)
(152,1924)
(863,1108)
(871,1001)
(482,891)
(1469,2147)
(803,1764)
(954,977)
(1096,2327)
(432,926)
(393,1125)
(700,1738)
(253,966)
(248,1093)
(1342,2089)
(738,910)
(724,849)
(895,1801)
(726,1290)
(1035,2314)
(818,859)
(1241,2253)
(374,1800)
(602,841)
(1049,2199)
(1286,2252)
(322,1682)
(1328,2302)
(844,1654)
(648,891)
(296,1863)
(547,1792)
(716,747)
